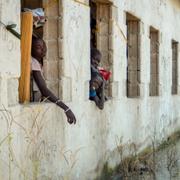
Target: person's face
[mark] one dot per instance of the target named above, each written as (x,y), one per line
(96,60)
(39,49)
(95,83)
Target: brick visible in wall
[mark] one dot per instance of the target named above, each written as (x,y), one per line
(103,14)
(51,7)
(51,29)
(52,70)
(174,88)
(51,35)
(103,18)
(133,59)
(154,62)
(52,53)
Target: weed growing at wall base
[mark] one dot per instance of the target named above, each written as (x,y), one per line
(149,164)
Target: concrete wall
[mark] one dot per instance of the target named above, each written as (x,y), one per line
(9,53)
(36,142)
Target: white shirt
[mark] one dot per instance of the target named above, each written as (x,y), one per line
(36,66)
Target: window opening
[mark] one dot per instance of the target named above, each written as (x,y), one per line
(154,62)
(100,14)
(174,89)
(48,32)
(133,59)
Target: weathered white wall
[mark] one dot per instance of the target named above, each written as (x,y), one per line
(9,53)
(38,142)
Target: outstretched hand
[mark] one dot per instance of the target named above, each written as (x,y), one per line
(70,117)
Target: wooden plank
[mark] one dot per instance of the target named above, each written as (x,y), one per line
(26,40)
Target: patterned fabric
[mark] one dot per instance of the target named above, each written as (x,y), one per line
(38,16)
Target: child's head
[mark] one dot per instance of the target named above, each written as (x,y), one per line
(96,81)
(95,57)
(38,49)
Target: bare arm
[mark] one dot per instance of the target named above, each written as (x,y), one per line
(50,96)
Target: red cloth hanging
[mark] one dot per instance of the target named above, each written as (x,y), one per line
(104,73)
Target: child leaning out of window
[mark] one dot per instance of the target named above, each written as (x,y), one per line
(38,51)
(97,90)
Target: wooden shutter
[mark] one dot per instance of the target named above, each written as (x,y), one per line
(26,40)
